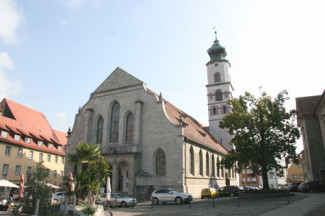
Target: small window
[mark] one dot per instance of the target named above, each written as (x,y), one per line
(17,137)
(40,143)
(54,173)
(224,110)
(217,77)
(5,169)
(40,156)
(219,95)
(59,148)
(47,172)
(50,145)
(4,134)
(244,179)
(18,170)
(20,153)
(62,160)
(214,111)
(31,154)
(48,158)
(29,170)
(56,159)
(8,151)
(61,173)
(27,139)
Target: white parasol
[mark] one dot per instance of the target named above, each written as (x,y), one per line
(108,189)
(6,183)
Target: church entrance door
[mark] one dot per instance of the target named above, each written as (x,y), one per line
(123,177)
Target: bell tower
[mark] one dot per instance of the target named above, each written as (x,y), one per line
(219,91)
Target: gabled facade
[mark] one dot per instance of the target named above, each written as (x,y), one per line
(295,172)
(311,120)
(26,138)
(148,141)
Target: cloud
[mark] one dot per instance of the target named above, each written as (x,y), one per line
(78,5)
(7,87)
(61,115)
(11,17)
(5,61)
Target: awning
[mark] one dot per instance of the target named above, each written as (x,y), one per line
(6,183)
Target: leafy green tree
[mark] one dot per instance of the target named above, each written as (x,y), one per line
(263,133)
(36,188)
(93,173)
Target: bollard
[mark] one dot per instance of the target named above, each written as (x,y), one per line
(238,199)
(151,205)
(213,201)
(189,205)
(288,197)
(37,207)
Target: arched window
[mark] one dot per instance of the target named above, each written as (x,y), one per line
(217,77)
(191,161)
(99,132)
(160,163)
(207,164)
(224,109)
(218,95)
(214,111)
(218,167)
(115,119)
(213,166)
(129,128)
(201,162)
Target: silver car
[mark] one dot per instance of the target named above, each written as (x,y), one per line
(119,199)
(169,195)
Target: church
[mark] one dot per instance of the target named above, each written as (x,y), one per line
(150,143)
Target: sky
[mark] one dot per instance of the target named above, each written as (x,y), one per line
(55,53)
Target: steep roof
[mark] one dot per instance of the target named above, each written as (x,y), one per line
(30,123)
(193,129)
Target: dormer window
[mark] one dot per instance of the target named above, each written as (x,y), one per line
(59,148)
(4,134)
(17,137)
(40,143)
(27,139)
(50,145)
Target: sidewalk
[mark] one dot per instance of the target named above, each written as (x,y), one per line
(300,207)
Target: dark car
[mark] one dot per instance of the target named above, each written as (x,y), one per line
(293,186)
(312,186)
(230,190)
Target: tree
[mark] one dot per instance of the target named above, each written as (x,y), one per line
(263,132)
(94,170)
(36,187)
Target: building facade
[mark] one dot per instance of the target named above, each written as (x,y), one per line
(311,120)
(27,138)
(295,172)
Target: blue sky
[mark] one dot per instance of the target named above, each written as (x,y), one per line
(54,53)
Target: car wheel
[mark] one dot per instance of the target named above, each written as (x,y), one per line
(231,194)
(155,201)
(123,204)
(178,200)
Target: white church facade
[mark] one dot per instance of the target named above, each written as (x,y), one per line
(150,143)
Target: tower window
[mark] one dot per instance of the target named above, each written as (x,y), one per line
(218,95)
(214,111)
(224,109)
(217,77)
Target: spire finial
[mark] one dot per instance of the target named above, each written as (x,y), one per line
(215,32)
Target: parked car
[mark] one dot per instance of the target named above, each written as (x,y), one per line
(169,195)
(59,196)
(209,193)
(119,199)
(230,190)
(293,186)
(311,186)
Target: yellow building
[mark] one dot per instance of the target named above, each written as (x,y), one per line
(295,172)
(27,138)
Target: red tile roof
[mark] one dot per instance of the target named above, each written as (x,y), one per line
(30,123)
(194,130)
